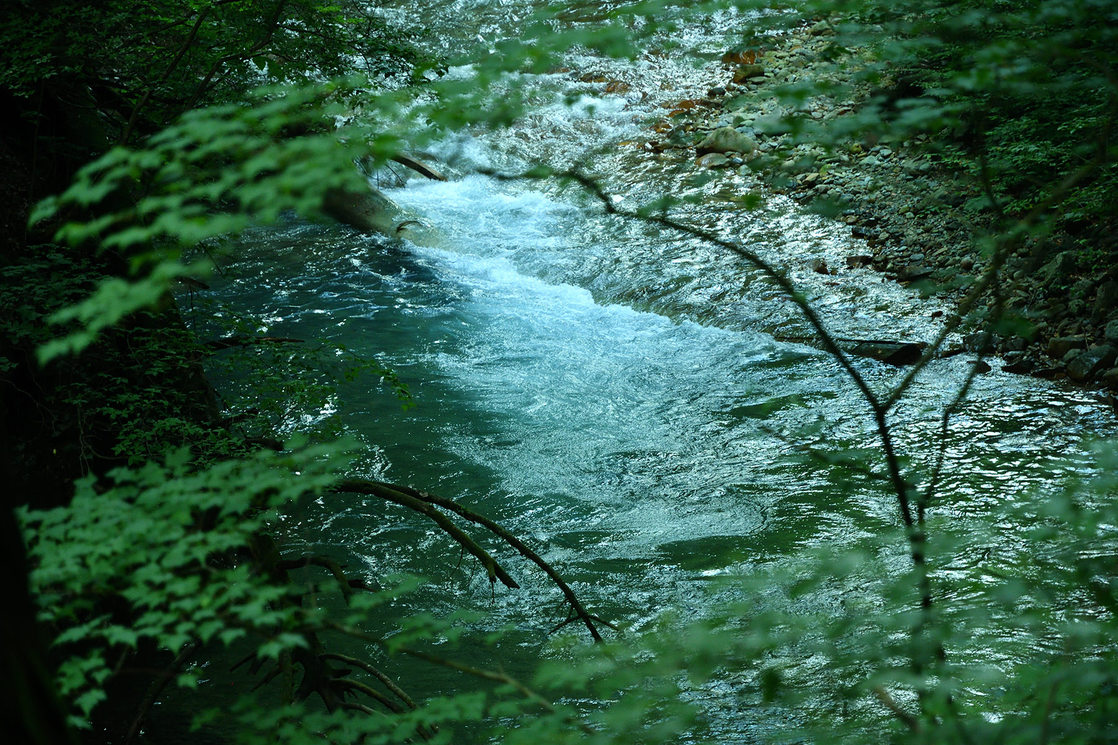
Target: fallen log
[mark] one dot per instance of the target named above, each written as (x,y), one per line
(898,353)
(418,166)
(369,211)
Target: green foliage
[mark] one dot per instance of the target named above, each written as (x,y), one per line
(1014,643)
(167,547)
(173,56)
(214,173)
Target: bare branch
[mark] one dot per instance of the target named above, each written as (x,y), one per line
(387,681)
(576,605)
(393,494)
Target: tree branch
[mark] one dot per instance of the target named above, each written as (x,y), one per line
(393,494)
(576,605)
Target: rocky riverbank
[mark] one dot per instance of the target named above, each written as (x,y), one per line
(919,216)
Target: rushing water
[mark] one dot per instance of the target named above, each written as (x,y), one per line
(613,394)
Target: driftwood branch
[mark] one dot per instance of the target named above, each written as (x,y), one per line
(345,583)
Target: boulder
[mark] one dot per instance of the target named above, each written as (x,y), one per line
(1111,332)
(819,266)
(713,160)
(1059,346)
(1058,269)
(748,72)
(1022,366)
(726,140)
(1106,299)
(1110,379)
(1090,363)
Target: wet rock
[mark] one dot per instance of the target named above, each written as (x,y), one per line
(1090,363)
(981,367)
(713,160)
(856,262)
(913,272)
(1111,332)
(819,29)
(980,342)
(1106,299)
(819,266)
(1110,379)
(1057,270)
(726,140)
(1059,346)
(1022,366)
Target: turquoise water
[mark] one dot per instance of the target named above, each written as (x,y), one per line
(613,394)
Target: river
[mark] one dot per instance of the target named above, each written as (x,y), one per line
(614,394)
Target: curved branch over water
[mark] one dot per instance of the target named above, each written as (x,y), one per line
(425,503)
(392,493)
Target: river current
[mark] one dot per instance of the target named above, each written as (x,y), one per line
(616,395)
